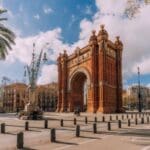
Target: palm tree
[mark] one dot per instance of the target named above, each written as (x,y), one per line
(7,37)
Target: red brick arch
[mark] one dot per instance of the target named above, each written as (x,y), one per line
(100,63)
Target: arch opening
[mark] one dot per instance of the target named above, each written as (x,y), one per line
(79,91)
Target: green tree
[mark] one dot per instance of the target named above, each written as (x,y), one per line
(7,37)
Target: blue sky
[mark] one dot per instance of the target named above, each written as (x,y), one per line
(68,24)
(31,18)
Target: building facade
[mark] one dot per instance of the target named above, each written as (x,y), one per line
(91,78)
(46,96)
(131,97)
(15,96)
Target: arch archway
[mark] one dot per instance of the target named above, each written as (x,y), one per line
(102,59)
(79,91)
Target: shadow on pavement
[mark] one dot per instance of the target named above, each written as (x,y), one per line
(15,125)
(87,137)
(34,130)
(9,133)
(128,132)
(26,148)
(65,129)
(68,143)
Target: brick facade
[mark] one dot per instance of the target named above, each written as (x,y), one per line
(16,96)
(99,65)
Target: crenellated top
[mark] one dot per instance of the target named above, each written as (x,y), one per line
(103,34)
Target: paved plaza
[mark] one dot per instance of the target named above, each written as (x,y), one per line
(128,137)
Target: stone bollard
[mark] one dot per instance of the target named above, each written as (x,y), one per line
(122,117)
(129,123)
(103,119)
(26,125)
(77,131)
(142,120)
(20,140)
(116,117)
(86,120)
(95,119)
(61,123)
(94,128)
(53,135)
(136,121)
(147,119)
(119,123)
(110,118)
(46,124)
(2,127)
(109,126)
(127,116)
(75,121)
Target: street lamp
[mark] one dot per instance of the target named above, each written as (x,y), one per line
(34,68)
(32,73)
(139,91)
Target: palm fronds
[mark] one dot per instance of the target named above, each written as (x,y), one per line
(7,37)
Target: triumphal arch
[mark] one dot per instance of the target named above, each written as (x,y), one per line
(91,78)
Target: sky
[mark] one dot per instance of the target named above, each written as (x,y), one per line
(67,24)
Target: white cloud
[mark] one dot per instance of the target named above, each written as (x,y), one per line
(144,66)
(110,6)
(49,74)
(37,16)
(47,10)
(135,35)
(23,48)
(22,51)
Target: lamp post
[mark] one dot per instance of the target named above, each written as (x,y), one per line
(32,72)
(139,91)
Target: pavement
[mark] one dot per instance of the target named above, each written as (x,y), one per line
(134,137)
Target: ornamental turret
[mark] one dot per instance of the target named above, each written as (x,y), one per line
(65,55)
(118,43)
(59,58)
(93,38)
(103,34)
